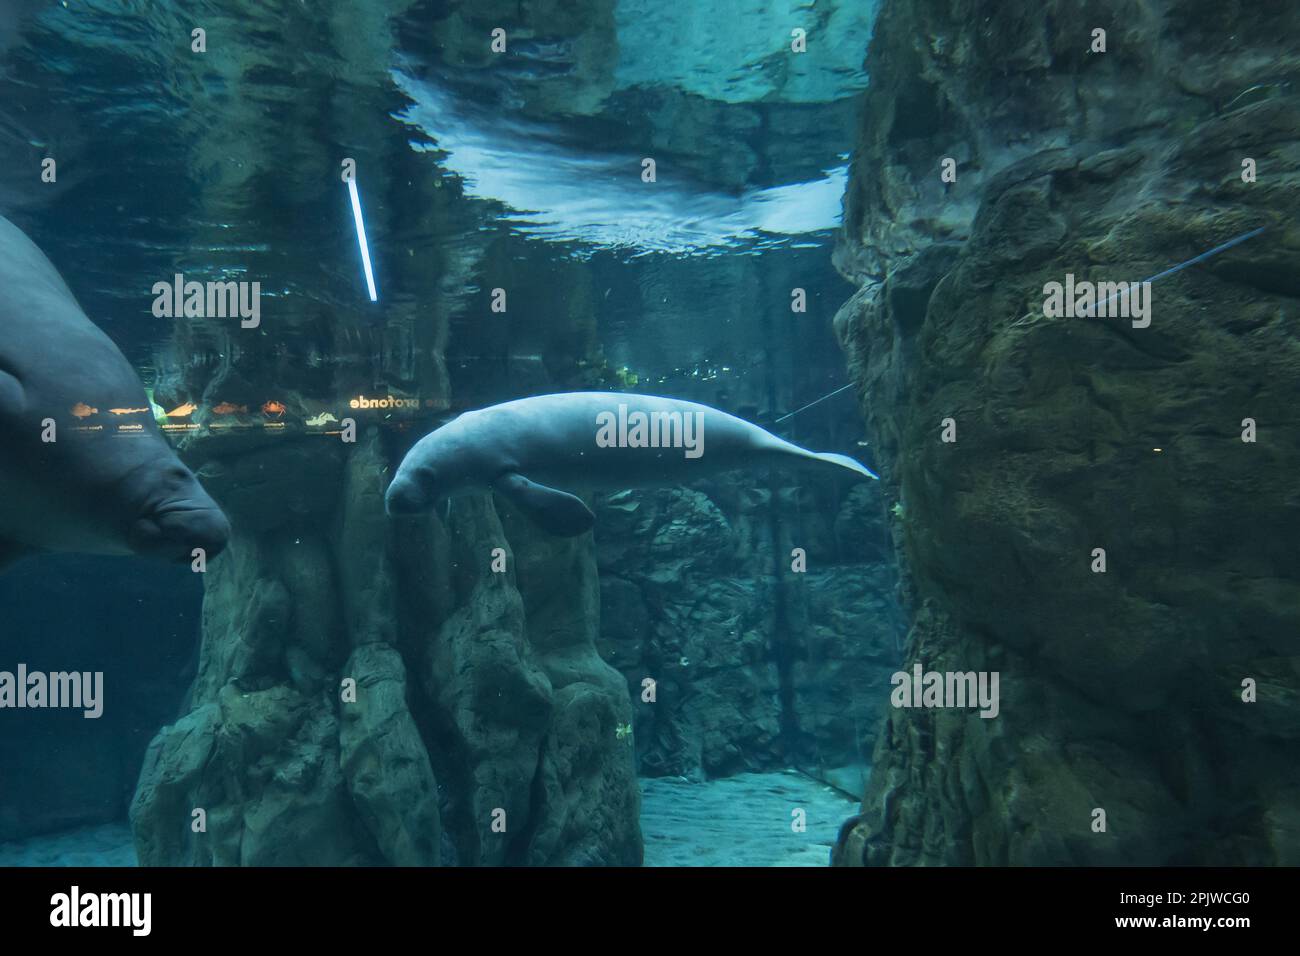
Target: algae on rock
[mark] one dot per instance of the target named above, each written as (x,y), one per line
(1121,690)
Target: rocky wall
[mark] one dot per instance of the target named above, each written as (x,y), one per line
(756,665)
(1124,692)
(374,693)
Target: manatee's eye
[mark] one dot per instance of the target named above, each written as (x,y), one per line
(411,492)
(175,476)
(426,480)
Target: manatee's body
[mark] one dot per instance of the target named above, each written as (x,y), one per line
(532,448)
(94,489)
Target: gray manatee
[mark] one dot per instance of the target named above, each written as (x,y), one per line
(109,483)
(597,440)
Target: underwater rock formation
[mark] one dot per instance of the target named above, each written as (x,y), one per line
(1121,691)
(369,690)
(480,728)
(699,596)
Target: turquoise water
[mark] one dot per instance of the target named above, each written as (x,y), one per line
(617,433)
(518,247)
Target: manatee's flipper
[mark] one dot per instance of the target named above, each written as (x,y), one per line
(844,461)
(11,551)
(556,512)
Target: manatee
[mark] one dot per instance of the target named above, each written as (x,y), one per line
(106,484)
(591,440)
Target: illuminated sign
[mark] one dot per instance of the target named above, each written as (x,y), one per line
(361,402)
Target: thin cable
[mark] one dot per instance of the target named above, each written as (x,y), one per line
(1178,268)
(1213,252)
(1155,278)
(811,404)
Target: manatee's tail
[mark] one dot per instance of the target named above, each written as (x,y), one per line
(786,449)
(844,461)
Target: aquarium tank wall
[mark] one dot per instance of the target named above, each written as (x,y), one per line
(618,433)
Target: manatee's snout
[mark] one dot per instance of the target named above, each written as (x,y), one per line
(174,533)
